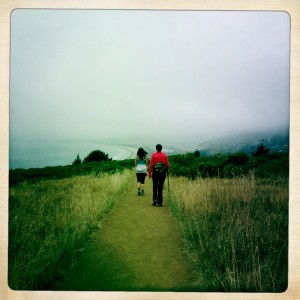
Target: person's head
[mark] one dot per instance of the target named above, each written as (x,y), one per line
(141,153)
(158,147)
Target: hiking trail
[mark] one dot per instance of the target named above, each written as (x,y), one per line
(137,248)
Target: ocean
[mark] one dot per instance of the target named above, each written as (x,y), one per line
(37,154)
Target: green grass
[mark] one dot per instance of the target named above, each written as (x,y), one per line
(139,248)
(34,175)
(237,229)
(49,221)
(233,213)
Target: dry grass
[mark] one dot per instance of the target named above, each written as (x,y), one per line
(238,229)
(49,221)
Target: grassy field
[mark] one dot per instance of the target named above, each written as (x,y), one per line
(50,221)
(232,211)
(236,229)
(139,247)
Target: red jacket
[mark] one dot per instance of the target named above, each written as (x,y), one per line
(155,158)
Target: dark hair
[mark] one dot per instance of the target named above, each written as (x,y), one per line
(158,147)
(141,153)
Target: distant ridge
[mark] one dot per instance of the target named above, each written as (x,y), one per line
(277,141)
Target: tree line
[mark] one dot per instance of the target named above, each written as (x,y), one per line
(191,165)
(262,162)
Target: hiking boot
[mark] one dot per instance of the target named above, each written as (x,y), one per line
(154,203)
(139,193)
(142,193)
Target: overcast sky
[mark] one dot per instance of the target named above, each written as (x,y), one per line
(100,74)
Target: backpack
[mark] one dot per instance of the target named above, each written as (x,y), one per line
(160,168)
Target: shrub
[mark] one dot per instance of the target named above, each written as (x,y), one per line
(229,165)
(238,159)
(77,160)
(96,155)
(261,150)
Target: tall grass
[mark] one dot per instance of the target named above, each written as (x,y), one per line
(237,230)
(50,220)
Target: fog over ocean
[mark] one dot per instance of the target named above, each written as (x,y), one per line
(55,153)
(141,77)
(40,154)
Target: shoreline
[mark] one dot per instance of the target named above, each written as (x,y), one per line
(30,156)
(26,155)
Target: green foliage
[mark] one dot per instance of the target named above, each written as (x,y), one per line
(229,165)
(271,165)
(50,220)
(184,165)
(261,150)
(235,165)
(59,172)
(238,159)
(187,165)
(77,160)
(96,155)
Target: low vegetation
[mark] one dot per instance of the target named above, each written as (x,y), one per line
(96,155)
(230,165)
(188,165)
(32,175)
(232,209)
(237,230)
(49,222)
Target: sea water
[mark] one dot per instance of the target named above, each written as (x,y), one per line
(39,154)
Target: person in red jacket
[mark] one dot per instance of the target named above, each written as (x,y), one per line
(158,168)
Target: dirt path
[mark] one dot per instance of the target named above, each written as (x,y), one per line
(138,248)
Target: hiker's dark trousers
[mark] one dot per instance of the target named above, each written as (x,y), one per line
(158,184)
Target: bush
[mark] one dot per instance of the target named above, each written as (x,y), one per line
(96,155)
(229,165)
(238,159)
(261,150)
(270,165)
(77,160)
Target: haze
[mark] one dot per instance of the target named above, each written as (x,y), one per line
(145,74)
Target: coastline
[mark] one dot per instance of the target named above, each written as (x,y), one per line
(27,155)
(41,154)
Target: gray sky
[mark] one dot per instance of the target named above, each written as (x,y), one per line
(121,74)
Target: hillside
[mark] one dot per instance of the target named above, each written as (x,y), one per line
(277,141)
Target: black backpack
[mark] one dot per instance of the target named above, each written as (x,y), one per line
(160,168)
